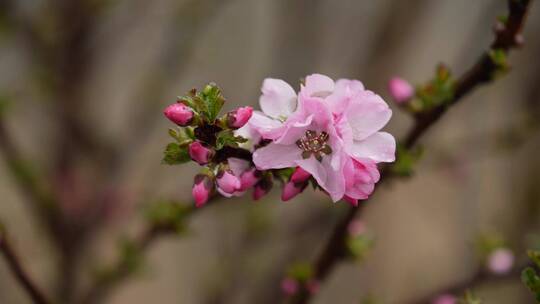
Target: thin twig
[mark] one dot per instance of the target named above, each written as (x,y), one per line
(482,276)
(38,297)
(120,271)
(480,73)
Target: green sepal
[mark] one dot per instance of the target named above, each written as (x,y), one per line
(227,138)
(168,215)
(175,154)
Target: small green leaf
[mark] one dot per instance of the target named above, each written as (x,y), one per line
(359,246)
(175,154)
(213,99)
(470,298)
(438,91)
(168,215)
(284,174)
(534,255)
(500,59)
(302,271)
(227,138)
(405,160)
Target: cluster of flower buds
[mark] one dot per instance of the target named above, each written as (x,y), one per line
(210,140)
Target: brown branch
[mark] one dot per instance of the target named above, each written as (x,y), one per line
(482,276)
(121,271)
(20,274)
(481,73)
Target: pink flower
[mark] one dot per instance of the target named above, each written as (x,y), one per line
(289,286)
(202,187)
(332,133)
(400,90)
(179,113)
(356,228)
(199,153)
(360,179)
(292,189)
(227,182)
(500,261)
(249,178)
(445,299)
(239,117)
(237,177)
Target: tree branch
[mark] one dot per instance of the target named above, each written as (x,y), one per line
(482,276)
(18,271)
(479,74)
(120,270)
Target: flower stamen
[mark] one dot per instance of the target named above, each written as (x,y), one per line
(314,144)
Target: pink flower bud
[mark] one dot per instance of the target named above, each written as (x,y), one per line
(350,200)
(400,90)
(289,286)
(500,261)
(291,190)
(262,188)
(313,286)
(249,178)
(300,175)
(445,299)
(239,117)
(356,228)
(199,153)
(202,187)
(179,113)
(228,182)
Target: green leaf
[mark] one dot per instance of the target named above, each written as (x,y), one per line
(211,95)
(530,278)
(284,174)
(183,136)
(168,215)
(227,138)
(500,59)
(302,271)
(405,160)
(438,91)
(175,154)
(487,243)
(359,246)
(534,255)
(470,298)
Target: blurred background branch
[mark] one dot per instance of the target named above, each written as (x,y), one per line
(86,80)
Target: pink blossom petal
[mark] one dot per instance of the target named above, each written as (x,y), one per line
(237,165)
(267,127)
(294,130)
(349,85)
(331,179)
(318,85)
(379,147)
(367,114)
(276,156)
(278,98)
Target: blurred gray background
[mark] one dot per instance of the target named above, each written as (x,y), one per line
(480,173)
